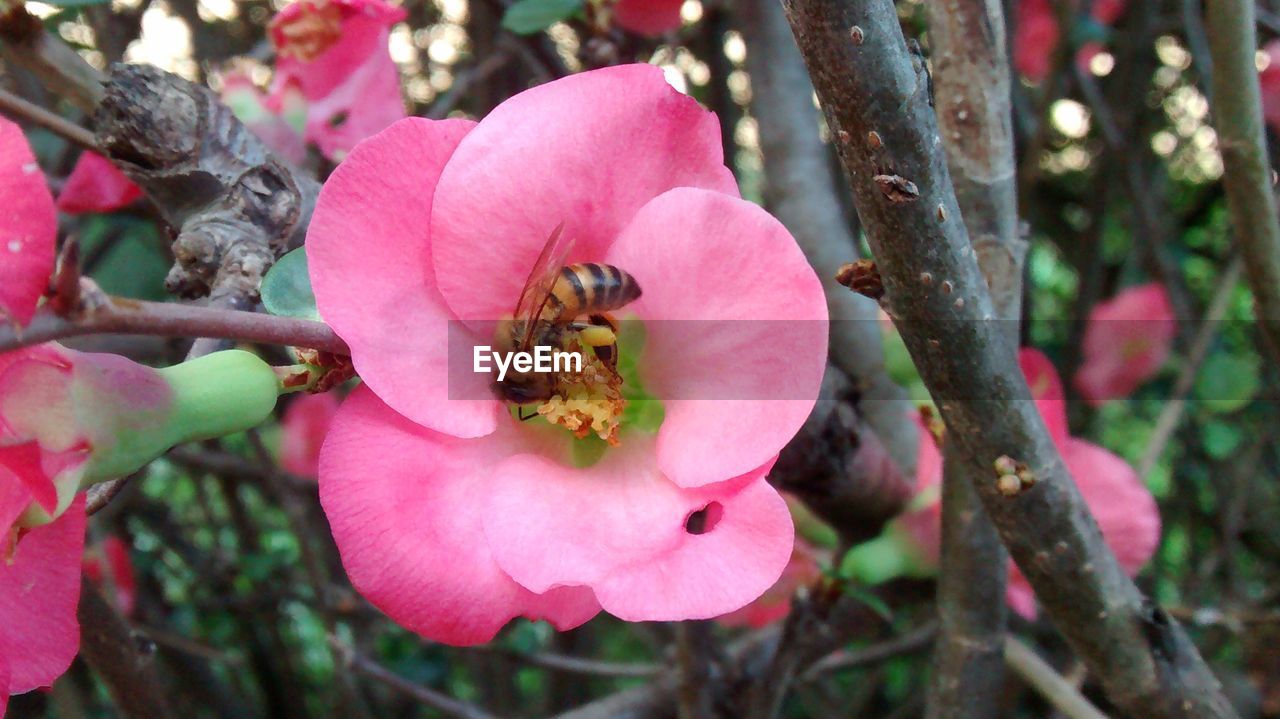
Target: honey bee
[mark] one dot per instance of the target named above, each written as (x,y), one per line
(553,305)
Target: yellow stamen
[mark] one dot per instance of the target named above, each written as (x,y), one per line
(587,402)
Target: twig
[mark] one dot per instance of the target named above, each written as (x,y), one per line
(971,81)
(25,42)
(1171,413)
(18,108)
(1246,175)
(694,699)
(579,665)
(123,659)
(866,82)
(447,705)
(1048,683)
(914,641)
(136,317)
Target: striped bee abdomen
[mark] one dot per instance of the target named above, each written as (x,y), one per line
(588,288)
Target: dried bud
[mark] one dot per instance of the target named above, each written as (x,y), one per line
(897,188)
(862,277)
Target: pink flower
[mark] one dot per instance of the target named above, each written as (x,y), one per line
(775,603)
(278,123)
(1037,35)
(305,424)
(1124,509)
(29,229)
(648,17)
(39,592)
(96,185)
(454,517)
(335,52)
(1126,341)
(1270,80)
(107,564)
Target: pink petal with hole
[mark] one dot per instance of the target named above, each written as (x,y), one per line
(39,592)
(619,527)
(96,185)
(369,252)
(589,151)
(737,355)
(406,508)
(28,227)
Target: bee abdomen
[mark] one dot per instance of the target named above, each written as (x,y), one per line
(594,287)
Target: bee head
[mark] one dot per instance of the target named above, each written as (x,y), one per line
(524,387)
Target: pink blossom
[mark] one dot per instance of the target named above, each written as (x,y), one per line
(96,185)
(28,233)
(775,603)
(39,591)
(1037,34)
(108,565)
(305,424)
(278,122)
(648,17)
(1270,80)
(335,52)
(1126,342)
(452,516)
(1124,509)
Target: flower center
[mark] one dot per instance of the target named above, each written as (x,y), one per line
(589,401)
(317,26)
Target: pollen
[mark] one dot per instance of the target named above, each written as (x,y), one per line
(587,402)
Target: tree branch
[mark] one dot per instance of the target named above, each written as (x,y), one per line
(446,705)
(1037,673)
(19,109)
(971,81)
(134,317)
(877,101)
(1246,174)
(122,658)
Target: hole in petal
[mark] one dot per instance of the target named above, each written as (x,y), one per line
(704,520)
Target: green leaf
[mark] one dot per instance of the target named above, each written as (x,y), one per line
(527,17)
(286,290)
(1220,439)
(1227,383)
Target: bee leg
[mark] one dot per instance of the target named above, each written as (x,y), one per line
(597,336)
(525,417)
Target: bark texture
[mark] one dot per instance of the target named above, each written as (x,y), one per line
(971,91)
(876,96)
(236,208)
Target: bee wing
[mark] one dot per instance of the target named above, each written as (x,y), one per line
(537,289)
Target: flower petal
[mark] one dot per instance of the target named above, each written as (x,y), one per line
(370,257)
(405,507)
(96,185)
(587,150)
(27,230)
(648,17)
(735,326)
(619,527)
(1126,341)
(39,591)
(306,421)
(1046,390)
